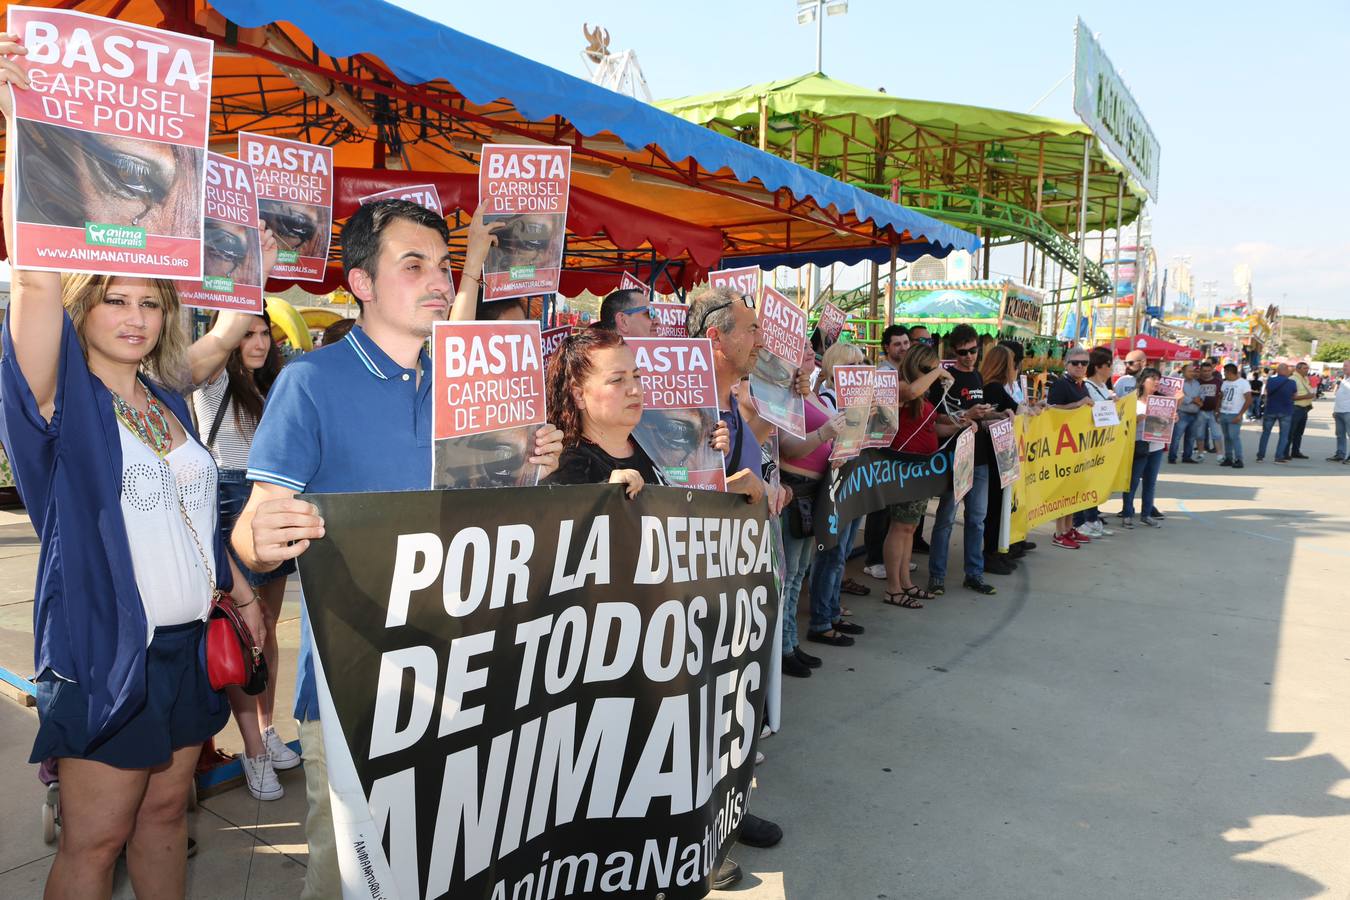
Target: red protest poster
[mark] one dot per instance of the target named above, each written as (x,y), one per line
(110,146)
(629,282)
(552,341)
(963,464)
(831,323)
(487,401)
(424,195)
(884,423)
(1159,415)
(1004,437)
(679,410)
(295,199)
(782,328)
(745,280)
(524,187)
(1170,386)
(232,276)
(670,319)
(853,388)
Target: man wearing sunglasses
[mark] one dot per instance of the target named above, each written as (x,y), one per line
(628,313)
(963,403)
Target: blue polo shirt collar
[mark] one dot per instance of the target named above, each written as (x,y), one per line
(376,361)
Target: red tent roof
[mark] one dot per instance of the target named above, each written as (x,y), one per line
(1156,348)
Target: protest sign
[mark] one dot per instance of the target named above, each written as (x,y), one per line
(854,386)
(1159,416)
(526,188)
(630,282)
(424,195)
(488,399)
(963,464)
(551,341)
(232,276)
(557,696)
(679,410)
(1104,413)
(831,323)
(109,147)
(745,280)
(295,199)
(884,423)
(1069,464)
(1002,435)
(670,319)
(1170,386)
(874,480)
(782,329)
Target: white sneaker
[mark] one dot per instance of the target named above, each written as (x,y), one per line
(1099,529)
(1199,457)
(759,758)
(283,757)
(261,777)
(877,571)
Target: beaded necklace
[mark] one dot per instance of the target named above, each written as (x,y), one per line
(152,426)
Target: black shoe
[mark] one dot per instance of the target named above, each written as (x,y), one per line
(1156,513)
(1226,462)
(1191,462)
(920,545)
(1335,459)
(811,662)
(1172,460)
(757,832)
(848,628)
(1016,552)
(936,587)
(728,875)
(999,564)
(1239,465)
(192,845)
(1297,456)
(979,586)
(1027,545)
(821,637)
(795,667)
(1260,459)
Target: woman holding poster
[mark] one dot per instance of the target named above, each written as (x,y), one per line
(107,462)
(228,408)
(1147,459)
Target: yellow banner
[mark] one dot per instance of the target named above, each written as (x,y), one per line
(1069,463)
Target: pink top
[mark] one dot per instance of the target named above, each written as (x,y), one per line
(818,460)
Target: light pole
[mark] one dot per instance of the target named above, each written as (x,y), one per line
(809,11)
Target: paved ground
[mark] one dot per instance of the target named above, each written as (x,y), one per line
(1164,714)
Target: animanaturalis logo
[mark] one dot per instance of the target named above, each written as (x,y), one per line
(222,284)
(98,234)
(521,273)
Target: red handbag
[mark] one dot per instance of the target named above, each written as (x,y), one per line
(232,656)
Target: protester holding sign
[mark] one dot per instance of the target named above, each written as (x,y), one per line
(1098,383)
(228,408)
(1070,392)
(1147,458)
(104,455)
(356,416)
(999,371)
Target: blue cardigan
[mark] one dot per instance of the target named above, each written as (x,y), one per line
(88,622)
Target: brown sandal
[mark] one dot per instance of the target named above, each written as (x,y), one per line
(907,600)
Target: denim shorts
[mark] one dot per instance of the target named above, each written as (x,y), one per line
(181,709)
(231,497)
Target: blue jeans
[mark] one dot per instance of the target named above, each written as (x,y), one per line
(1182,431)
(1083,516)
(1206,428)
(1297,425)
(1145,470)
(827,574)
(977,505)
(1232,435)
(1268,422)
(1342,420)
(797,563)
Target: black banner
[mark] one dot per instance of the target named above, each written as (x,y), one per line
(544,692)
(874,480)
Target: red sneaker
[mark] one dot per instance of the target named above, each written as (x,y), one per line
(1079,537)
(1066,541)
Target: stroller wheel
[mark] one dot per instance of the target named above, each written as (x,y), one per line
(192,795)
(51,821)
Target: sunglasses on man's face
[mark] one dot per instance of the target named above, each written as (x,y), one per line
(1078,362)
(967,351)
(638,311)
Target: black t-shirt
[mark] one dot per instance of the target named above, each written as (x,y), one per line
(997,396)
(967,391)
(1065,392)
(586,463)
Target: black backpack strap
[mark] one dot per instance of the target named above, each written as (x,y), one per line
(220,417)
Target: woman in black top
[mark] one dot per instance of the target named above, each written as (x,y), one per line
(595,393)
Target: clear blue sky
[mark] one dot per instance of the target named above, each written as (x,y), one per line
(1248,100)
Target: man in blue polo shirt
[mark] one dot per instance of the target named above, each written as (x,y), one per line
(1280,393)
(356,416)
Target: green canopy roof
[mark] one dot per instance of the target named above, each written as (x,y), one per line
(869,137)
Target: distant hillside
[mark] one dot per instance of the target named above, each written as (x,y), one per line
(1299,333)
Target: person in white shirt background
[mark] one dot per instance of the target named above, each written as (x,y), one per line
(1340,412)
(1235,397)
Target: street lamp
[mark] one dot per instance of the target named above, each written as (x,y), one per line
(809,11)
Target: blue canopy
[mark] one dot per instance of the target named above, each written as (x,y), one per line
(418,50)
